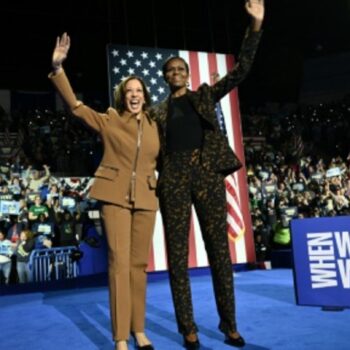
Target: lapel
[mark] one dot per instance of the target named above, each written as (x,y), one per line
(195,100)
(161,115)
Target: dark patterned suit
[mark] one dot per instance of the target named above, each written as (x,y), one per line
(197,177)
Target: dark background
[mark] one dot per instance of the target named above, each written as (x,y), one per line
(294,31)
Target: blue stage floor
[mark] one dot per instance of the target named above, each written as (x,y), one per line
(267,315)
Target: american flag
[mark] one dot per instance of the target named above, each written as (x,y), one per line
(147,63)
(235,221)
(141,61)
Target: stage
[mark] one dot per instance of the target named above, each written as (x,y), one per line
(267,315)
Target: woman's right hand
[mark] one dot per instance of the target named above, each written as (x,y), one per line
(60,52)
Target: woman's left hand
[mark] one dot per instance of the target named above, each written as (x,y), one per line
(256,9)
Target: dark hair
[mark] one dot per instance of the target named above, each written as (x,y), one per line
(119,94)
(165,64)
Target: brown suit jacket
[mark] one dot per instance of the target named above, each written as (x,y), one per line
(112,181)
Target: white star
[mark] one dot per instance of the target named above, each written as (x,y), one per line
(131,71)
(130,54)
(154,98)
(123,78)
(152,64)
(115,86)
(161,90)
(153,81)
(115,70)
(115,53)
(144,55)
(123,62)
(159,56)
(145,72)
(159,73)
(137,63)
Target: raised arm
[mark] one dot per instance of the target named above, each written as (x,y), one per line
(256,10)
(58,77)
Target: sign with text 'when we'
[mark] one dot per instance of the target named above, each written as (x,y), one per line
(321,254)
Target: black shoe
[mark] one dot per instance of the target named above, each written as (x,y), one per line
(237,342)
(191,345)
(143,347)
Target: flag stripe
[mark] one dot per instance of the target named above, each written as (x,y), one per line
(194,69)
(159,248)
(202,259)
(213,66)
(247,254)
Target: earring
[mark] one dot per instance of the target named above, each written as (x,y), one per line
(187,84)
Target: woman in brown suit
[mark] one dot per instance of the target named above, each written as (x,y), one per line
(125,183)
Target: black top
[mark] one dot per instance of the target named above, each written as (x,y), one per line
(184,126)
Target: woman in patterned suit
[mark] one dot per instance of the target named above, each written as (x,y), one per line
(125,184)
(196,157)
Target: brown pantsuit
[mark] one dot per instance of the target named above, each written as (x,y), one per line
(129,234)
(125,183)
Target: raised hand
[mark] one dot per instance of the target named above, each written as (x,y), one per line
(255,9)
(61,50)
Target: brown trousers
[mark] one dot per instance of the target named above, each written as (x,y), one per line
(129,234)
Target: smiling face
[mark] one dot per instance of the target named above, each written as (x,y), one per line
(134,96)
(176,74)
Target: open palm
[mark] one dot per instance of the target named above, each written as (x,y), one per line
(61,50)
(256,9)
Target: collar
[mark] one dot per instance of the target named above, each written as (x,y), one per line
(129,116)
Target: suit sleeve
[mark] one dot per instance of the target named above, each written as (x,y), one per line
(96,121)
(242,67)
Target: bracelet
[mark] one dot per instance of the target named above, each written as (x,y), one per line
(56,68)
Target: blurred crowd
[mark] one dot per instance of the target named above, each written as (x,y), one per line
(39,211)
(298,166)
(297,162)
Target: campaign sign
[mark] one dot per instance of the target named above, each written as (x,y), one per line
(6,248)
(9,207)
(321,254)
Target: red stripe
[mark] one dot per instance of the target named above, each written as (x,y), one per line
(242,184)
(233,210)
(151,265)
(213,66)
(194,69)
(165,251)
(192,254)
(235,216)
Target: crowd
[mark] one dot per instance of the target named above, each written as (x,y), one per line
(38,211)
(298,165)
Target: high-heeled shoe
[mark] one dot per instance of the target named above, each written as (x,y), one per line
(191,342)
(234,339)
(141,347)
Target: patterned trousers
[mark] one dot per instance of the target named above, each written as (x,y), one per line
(185,182)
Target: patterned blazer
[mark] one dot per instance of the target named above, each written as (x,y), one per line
(216,152)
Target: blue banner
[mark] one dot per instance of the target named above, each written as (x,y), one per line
(321,254)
